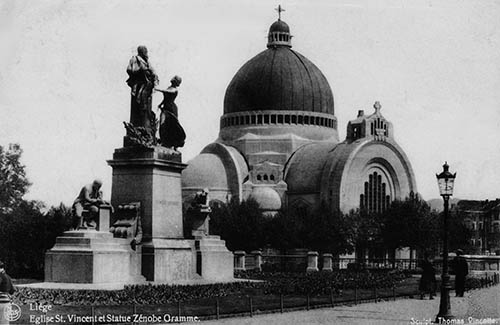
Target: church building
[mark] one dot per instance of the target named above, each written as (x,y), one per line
(278,142)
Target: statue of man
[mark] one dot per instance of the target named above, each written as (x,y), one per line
(141,81)
(89,198)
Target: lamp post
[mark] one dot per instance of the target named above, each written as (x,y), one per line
(446,181)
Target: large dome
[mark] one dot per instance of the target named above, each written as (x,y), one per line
(279,78)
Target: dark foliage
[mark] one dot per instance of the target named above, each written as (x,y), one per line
(25,235)
(409,223)
(460,234)
(13,180)
(320,230)
(241,225)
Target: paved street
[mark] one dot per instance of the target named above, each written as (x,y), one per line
(478,306)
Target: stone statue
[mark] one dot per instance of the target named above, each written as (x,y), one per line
(201,200)
(128,223)
(172,134)
(198,215)
(86,205)
(142,80)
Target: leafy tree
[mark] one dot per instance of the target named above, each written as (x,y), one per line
(459,234)
(366,230)
(327,231)
(409,223)
(13,180)
(26,234)
(241,225)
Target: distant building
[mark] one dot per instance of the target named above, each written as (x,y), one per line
(278,142)
(483,218)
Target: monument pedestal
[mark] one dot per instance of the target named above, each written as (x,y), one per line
(167,260)
(91,256)
(214,262)
(150,177)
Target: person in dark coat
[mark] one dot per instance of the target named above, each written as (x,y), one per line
(461,270)
(5,281)
(428,279)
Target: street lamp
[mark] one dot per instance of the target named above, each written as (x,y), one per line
(446,181)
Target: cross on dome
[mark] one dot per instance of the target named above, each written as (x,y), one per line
(279,10)
(377,107)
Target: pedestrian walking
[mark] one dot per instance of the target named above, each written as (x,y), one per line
(428,279)
(461,270)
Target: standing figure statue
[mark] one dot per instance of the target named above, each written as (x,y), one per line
(141,81)
(172,134)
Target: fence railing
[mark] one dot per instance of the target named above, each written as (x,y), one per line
(312,261)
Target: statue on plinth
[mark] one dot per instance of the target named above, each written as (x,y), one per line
(198,214)
(172,134)
(86,206)
(142,79)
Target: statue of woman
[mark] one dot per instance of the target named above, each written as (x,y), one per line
(172,134)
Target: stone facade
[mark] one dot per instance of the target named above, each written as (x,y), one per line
(483,218)
(278,142)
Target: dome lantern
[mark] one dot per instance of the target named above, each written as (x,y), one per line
(279,32)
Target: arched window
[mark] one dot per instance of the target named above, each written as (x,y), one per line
(375,198)
(259,178)
(265,177)
(271,177)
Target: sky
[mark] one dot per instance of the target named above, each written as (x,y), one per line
(433,65)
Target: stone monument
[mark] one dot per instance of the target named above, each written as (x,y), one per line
(144,239)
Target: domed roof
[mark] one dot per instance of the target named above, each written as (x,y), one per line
(279,78)
(205,171)
(268,199)
(279,26)
(304,169)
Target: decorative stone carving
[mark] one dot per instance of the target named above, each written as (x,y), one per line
(141,136)
(128,223)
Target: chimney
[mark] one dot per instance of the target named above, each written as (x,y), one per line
(361,113)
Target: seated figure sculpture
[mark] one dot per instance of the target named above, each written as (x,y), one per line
(128,223)
(198,214)
(86,206)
